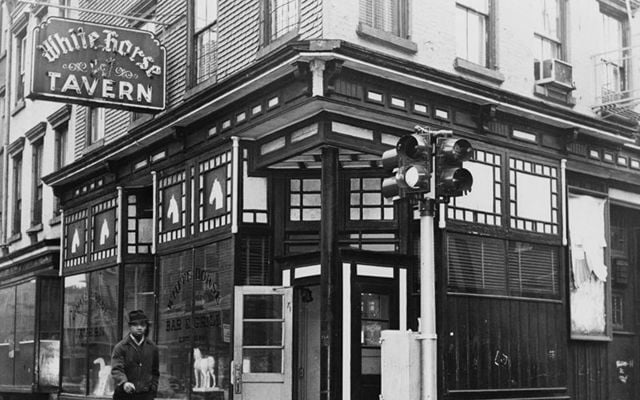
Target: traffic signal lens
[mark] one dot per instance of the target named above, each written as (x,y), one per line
(416,176)
(415,147)
(463,150)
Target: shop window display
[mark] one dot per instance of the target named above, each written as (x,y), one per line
(194,323)
(17,335)
(90,331)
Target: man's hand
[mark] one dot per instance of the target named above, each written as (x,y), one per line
(129,387)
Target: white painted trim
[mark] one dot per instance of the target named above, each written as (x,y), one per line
(624,196)
(119,224)
(41,250)
(62,243)
(154,226)
(309,270)
(235,173)
(346,331)
(374,271)
(286,277)
(563,188)
(402,301)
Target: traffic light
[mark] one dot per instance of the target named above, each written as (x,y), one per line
(410,162)
(452,179)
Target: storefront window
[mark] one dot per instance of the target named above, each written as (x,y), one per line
(49,344)
(103,329)
(138,294)
(17,335)
(213,289)
(90,331)
(194,323)
(25,332)
(76,311)
(7,331)
(174,339)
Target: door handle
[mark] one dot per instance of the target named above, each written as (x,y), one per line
(236,377)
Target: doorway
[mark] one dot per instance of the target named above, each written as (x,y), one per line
(307,306)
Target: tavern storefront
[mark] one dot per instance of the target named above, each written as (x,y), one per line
(251,225)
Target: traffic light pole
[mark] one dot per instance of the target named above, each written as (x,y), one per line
(428,334)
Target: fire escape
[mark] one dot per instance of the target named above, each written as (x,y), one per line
(617,88)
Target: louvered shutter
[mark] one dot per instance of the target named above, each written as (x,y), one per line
(476,264)
(255,261)
(533,269)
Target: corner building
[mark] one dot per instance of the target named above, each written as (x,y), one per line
(249,220)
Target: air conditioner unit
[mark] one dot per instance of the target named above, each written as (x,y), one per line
(554,72)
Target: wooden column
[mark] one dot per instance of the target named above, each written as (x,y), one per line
(330,360)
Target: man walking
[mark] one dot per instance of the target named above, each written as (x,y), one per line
(135,363)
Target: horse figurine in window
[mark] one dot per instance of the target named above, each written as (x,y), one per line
(203,368)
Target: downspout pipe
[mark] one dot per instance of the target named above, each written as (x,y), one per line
(7,130)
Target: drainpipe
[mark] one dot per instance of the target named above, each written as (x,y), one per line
(7,127)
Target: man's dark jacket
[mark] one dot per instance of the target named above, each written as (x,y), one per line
(136,364)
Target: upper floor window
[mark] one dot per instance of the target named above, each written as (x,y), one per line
(386,15)
(472,31)
(282,17)
(205,39)
(95,125)
(548,20)
(17,194)
(36,196)
(60,155)
(612,71)
(21,67)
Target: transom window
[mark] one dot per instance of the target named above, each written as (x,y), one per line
(366,201)
(472,30)
(533,196)
(282,17)
(205,39)
(304,200)
(483,204)
(386,15)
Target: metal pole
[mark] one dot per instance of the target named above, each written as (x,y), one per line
(428,301)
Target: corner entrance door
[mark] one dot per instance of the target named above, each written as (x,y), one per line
(262,367)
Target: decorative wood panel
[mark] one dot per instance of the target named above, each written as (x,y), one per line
(501,344)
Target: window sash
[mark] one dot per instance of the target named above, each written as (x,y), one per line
(386,15)
(472,35)
(282,17)
(96,124)
(17,194)
(36,207)
(21,67)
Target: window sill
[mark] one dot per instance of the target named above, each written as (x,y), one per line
(134,123)
(35,229)
(17,107)
(93,146)
(281,41)
(14,238)
(386,38)
(478,71)
(200,87)
(55,220)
